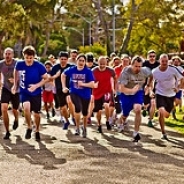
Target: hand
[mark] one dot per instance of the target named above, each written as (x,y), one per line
(135,88)
(13,89)
(175,90)
(96,84)
(11,80)
(32,87)
(65,90)
(152,94)
(80,83)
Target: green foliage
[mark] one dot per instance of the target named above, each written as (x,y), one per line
(54,47)
(178,125)
(96,49)
(156,24)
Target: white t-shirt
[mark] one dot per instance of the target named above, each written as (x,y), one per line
(166,80)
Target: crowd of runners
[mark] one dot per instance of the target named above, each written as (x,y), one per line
(80,86)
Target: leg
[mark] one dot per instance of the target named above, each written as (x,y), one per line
(4,107)
(27,114)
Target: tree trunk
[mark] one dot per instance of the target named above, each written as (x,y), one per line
(104,23)
(126,40)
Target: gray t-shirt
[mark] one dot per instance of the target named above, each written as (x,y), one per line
(7,73)
(166,80)
(130,79)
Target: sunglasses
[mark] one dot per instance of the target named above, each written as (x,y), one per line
(152,56)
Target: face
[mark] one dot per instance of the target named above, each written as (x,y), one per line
(136,67)
(125,61)
(102,63)
(176,62)
(8,55)
(116,62)
(28,58)
(81,62)
(152,57)
(48,67)
(164,62)
(73,55)
(63,61)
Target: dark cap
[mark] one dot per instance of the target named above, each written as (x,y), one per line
(89,57)
(63,54)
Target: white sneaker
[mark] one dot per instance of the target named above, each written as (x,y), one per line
(62,120)
(120,128)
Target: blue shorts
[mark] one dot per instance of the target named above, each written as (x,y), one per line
(178,94)
(128,101)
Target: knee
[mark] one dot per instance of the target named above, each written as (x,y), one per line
(137,109)
(4,107)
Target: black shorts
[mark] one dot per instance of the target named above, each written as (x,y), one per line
(166,102)
(107,98)
(62,97)
(35,101)
(147,99)
(7,97)
(81,104)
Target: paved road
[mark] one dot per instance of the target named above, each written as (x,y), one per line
(110,158)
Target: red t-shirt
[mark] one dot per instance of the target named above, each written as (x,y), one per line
(118,70)
(104,79)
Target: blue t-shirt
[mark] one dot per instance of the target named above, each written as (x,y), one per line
(75,75)
(30,75)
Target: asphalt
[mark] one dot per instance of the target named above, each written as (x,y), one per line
(109,158)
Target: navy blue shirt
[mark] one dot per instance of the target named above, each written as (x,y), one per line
(57,68)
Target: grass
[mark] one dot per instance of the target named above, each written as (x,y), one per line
(177,125)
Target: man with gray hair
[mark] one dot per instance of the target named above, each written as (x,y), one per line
(166,77)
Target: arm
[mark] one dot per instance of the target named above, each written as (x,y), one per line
(15,82)
(128,91)
(88,84)
(55,76)
(33,87)
(63,82)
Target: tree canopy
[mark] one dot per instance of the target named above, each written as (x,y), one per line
(133,27)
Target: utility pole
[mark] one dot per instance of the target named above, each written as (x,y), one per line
(113,26)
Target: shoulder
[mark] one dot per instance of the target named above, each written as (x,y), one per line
(96,68)
(1,62)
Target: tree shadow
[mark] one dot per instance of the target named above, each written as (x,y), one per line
(150,155)
(39,156)
(90,147)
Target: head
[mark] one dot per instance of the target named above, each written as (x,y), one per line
(29,53)
(89,59)
(48,66)
(151,56)
(8,54)
(102,62)
(176,61)
(125,60)
(112,55)
(51,58)
(136,64)
(81,61)
(164,61)
(116,61)
(63,58)
(73,54)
